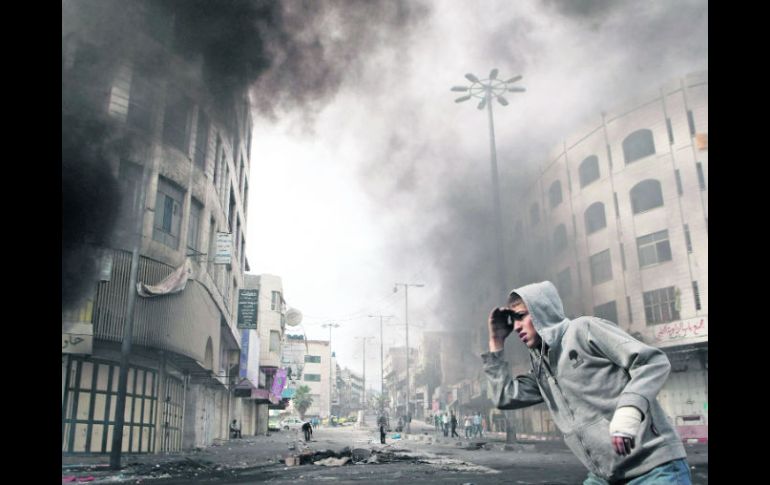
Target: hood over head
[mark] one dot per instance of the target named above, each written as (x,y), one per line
(546,309)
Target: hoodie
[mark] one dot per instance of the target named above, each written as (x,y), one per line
(584,370)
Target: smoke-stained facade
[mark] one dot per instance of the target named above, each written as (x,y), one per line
(162,153)
(617,219)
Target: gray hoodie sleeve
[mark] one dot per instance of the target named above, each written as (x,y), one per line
(509,393)
(648,367)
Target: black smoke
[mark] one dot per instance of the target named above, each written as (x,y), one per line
(289,55)
(90,202)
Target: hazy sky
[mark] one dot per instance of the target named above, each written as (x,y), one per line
(387,179)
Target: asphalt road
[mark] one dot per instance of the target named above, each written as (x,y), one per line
(445,462)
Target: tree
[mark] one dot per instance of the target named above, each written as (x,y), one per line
(302,400)
(378,402)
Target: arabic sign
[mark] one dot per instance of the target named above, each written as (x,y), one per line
(224,251)
(683,329)
(247,308)
(77,339)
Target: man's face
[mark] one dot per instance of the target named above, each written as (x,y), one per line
(522,325)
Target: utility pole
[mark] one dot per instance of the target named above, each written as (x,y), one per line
(406,321)
(128,326)
(382,363)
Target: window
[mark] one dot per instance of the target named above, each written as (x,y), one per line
(168,214)
(560,239)
(687,240)
(315,359)
(607,311)
(140,102)
(312,378)
(217,153)
(617,207)
(696,295)
(554,194)
(594,218)
(638,144)
(653,248)
(212,246)
(275,302)
(232,217)
(242,171)
(701,178)
(646,195)
(234,302)
(201,140)
(678,182)
(670,131)
(589,170)
(691,122)
(130,180)
(194,226)
(243,253)
(601,267)
(564,283)
(275,341)
(246,198)
(630,313)
(534,213)
(175,131)
(224,183)
(661,306)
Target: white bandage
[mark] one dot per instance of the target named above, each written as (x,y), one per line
(626,422)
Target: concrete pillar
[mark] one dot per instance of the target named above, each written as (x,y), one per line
(262,417)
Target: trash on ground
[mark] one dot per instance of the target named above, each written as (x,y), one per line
(333,461)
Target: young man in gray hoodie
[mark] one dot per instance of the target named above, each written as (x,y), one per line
(599,383)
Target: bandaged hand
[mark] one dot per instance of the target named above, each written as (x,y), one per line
(623,429)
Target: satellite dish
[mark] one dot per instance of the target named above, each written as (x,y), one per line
(293,317)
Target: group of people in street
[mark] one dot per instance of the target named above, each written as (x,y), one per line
(473,424)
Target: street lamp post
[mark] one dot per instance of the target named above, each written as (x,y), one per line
(406,322)
(330,326)
(382,363)
(486,89)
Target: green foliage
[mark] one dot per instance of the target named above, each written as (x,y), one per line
(302,400)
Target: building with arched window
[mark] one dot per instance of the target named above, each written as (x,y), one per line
(635,208)
(182,172)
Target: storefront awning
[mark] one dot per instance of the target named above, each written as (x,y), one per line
(244,389)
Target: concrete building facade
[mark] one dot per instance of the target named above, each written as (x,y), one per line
(309,361)
(617,219)
(183,173)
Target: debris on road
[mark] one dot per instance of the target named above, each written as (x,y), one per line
(333,461)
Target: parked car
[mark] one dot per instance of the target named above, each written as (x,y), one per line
(292,423)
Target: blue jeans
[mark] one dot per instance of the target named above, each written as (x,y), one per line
(675,472)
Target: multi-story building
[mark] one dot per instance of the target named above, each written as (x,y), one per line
(310,363)
(182,164)
(395,379)
(350,389)
(618,219)
(264,389)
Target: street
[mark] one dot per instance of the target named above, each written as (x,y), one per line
(423,456)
